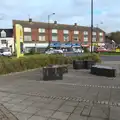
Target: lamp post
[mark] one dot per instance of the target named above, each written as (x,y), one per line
(91,23)
(97,26)
(49,28)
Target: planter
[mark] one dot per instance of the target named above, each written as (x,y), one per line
(88,64)
(103,71)
(78,64)
(52,73)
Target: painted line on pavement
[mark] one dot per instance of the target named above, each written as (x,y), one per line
(79,85)
(68,98)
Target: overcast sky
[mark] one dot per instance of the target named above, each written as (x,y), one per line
(67,11)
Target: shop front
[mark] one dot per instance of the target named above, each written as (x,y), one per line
(66,47)
(55,45)
(40,47)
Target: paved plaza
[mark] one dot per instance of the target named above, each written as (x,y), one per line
(79,96)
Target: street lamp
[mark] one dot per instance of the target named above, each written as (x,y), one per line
(91,23)
(49,28)
(97,31)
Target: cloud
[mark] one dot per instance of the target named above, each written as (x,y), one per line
(67,11)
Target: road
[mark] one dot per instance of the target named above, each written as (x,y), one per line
(110,58)
(104,58)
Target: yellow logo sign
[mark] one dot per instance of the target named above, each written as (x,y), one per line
(20,32)
(19,40)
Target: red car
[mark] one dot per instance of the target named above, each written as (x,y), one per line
(102,49)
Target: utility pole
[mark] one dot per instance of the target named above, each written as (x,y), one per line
(91,24)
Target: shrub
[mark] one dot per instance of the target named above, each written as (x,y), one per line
(8,65)
(85,50)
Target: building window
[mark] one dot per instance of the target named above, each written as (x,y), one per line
(3,41)
(66,38)
(85,39)
(94,39)
(27,38)
(94,33)
(54,31)
(27,29)
(101,34)
(41,38)
(3,34)
(41,30)
(66,32)
(54,38)
(101,39)
(76,32)
(75,38)
(85,32)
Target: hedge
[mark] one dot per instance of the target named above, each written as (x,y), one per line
(109,53)
(9,65)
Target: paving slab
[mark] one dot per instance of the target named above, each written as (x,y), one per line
(52,106)
(77,117)
(114,113)
(66,108)
(60,115)
(18,108)
(37,118)
(30,110)
(45,113)
(23,116)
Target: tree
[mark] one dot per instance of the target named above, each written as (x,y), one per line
(115,36)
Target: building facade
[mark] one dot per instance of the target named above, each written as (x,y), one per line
(39,34)
(7,39)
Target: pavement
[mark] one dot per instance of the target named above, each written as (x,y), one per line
(79,96)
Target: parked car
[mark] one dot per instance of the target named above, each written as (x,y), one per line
(54,51)
(102,49)
(78,50)
(5,52)
(49,51)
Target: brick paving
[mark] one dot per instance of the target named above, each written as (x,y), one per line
(79,96)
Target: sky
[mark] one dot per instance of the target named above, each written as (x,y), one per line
(66,11)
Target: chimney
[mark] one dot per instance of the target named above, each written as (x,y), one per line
(75,24)
(55,22)
(30,20)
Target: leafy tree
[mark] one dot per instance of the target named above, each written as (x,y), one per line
(114,36)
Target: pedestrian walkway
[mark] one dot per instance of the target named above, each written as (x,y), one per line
(79,96)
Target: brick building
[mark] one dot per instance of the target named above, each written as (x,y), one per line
(40,34)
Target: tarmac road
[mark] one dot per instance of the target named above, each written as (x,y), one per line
(104,58)
(111,58)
